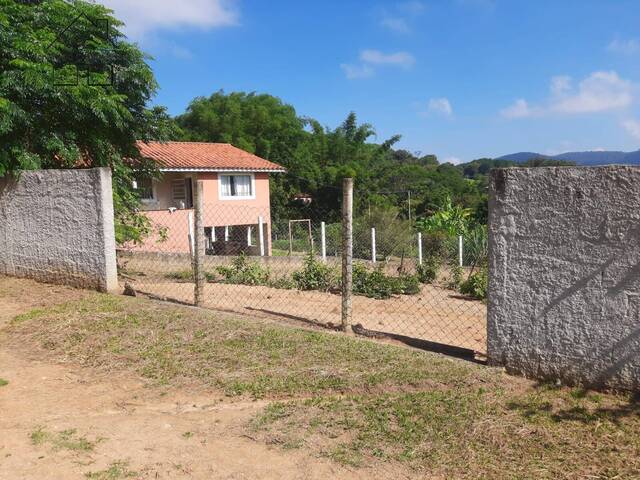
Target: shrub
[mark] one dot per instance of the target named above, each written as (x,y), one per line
(375,284)
(456,276)
(283,283)
(244,272)
(187,276)
(428,271)
(476,285)
(315,275)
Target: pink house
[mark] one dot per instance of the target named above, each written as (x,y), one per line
(236,213)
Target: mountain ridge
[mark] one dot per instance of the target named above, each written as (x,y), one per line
(586,158)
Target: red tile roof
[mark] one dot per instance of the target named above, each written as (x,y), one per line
(201,156)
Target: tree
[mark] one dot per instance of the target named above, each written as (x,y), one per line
(73,94)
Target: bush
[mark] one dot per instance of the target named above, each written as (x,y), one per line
(244,272)
(456,276)
(315,275)
(283,283)
(187,276)
(428,271)
(375,284)
(476,285)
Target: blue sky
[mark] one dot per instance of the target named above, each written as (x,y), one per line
(459,78)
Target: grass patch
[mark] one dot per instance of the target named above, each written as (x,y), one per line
(115,471)
(467,433)
(64,440)
(3,382)
(170,344)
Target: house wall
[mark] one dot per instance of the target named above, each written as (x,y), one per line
(216,211)
(57,226)
(564,274)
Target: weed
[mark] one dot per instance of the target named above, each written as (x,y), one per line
(3,382)
(476,285)
(115,471)
(64,440)
(315,275)
(244,272)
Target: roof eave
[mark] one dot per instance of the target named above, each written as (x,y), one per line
(224,170)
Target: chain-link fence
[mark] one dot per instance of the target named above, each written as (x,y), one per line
(406,284)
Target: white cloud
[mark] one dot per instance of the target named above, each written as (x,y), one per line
(375,58)
(144,16)
(441,106)
(599,92)
(356,71)
(633,127)
(181,52)
(396,24)
(398,18)
(626,47)
(519,109)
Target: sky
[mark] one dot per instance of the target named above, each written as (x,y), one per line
(462,79)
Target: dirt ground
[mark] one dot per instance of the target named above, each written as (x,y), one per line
(160,433)
(435,314)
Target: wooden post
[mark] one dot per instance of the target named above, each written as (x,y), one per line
(347,251)
(198,257)
(261,235)
(323,241)
(373,245)
(419,248)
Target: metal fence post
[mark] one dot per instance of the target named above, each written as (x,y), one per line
(347,251)
(419,248)
(460,250)
(198,257)
(373,245)
(323,241)
(261,235)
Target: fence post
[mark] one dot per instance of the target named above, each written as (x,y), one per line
(373,244)
(198,258)
(261,235)
(347,251)
(190,233)
(460,250)
(323,242)
(419,248)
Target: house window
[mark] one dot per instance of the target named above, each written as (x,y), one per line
(144,187)
(237,186)
(181,193)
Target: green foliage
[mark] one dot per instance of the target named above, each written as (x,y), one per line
(315,275)
(476,245)
(244,272)
(428,271)
(92,120)
(476,285)
(449,219)
(394,235)
(456,276)
(376,284)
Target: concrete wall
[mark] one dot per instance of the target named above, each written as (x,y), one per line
(57,226)
(564,266)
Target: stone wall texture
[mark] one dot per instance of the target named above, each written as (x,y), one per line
(564,274)
(57,226)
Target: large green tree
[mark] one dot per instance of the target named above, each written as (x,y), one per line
(74,93)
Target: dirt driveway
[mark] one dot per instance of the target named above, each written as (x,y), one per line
(144,432)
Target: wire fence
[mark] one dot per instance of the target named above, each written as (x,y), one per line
(406,284)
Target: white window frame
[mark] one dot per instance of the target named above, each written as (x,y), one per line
(237,174)
(154,194)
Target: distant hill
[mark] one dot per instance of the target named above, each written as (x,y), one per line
(580,158)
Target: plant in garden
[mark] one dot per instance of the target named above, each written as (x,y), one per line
(244,272)
(428,271)
(476,285)
(450,219)
(456,275)
(376,284)
(315,275)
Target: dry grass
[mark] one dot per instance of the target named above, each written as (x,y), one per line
(467,433)
(371,404)
(170,344)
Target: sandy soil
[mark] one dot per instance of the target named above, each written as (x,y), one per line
(132,422)
(435,314)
